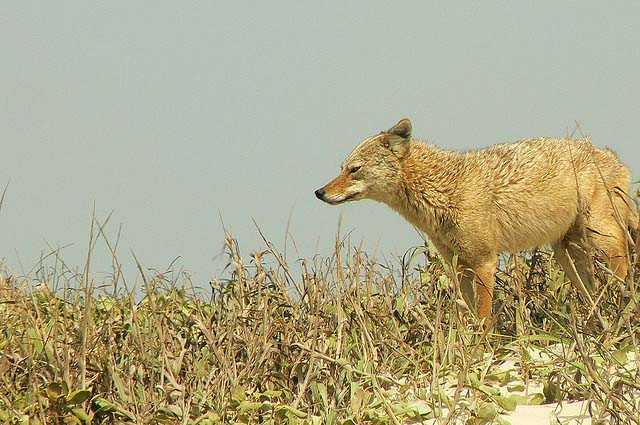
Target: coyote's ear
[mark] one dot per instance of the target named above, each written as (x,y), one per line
(398,136)
(402,129)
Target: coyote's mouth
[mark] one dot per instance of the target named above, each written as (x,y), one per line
(340,201)
(350,197)
(322,195)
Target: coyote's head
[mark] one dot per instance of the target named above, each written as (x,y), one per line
(372,170)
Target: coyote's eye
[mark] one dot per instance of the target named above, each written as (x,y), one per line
(354,169)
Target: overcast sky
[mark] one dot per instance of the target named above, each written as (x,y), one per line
(174,114)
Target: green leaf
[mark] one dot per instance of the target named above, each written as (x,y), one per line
(373,415)
(104,407)
(71,420)
(425,277)
(207,419)
(620,356)
(316,420)
(357,399)
(238,395)
(501,378)
(54,390)
(519,387)
(552,392)
(81,414)
(473,378)
(502,421)
(507,403)
(419,408)
(272,394)
(542,337)
(319,391)
(287,411)
(580,367)
(165,418)
(536,399)
(121,388)
(399,304)
(250,406)
(78,397)
(488,390)
(487,411)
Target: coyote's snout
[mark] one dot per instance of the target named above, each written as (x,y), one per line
(333,197)
(504,198)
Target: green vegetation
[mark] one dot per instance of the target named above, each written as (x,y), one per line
(342,340)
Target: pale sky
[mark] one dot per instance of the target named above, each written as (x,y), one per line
(172,114)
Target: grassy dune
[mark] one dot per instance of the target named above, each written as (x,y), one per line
(342,340)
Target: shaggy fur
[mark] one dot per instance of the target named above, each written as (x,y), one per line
(505,198)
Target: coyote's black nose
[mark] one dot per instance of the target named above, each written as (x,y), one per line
(320,194)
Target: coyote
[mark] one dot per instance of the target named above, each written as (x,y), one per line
(505,198)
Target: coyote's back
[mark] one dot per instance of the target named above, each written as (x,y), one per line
(531,192)
(508,197)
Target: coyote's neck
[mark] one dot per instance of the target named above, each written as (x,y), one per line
(427,193)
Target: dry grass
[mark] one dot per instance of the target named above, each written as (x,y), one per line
(342,340)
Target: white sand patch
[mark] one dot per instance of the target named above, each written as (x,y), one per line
(529,393)
(565,413)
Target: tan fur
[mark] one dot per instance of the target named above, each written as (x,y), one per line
(505,198)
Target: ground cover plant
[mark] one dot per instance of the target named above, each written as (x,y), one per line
(343,339)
